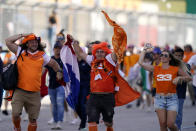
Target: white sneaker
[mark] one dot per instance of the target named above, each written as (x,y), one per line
(57,126)
(74,121)
(51,121)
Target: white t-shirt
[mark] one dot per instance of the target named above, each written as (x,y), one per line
(191,62)
(45,56)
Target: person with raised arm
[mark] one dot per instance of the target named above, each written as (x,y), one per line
(166,76)
(29,64)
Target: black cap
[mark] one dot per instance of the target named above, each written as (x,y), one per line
(58,45)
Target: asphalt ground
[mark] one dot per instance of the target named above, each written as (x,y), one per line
(132,119)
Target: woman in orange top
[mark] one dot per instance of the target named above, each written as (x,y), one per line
(166,77)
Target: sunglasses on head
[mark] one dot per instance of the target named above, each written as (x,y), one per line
(164,55)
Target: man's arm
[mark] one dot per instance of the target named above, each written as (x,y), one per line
(10,42)
(55,66)
(184,76)
(114,57)
(78,50)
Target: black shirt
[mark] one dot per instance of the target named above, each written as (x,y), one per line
(52,74)
(181,88)
(84,74)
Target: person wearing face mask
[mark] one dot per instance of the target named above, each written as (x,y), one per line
(29,64)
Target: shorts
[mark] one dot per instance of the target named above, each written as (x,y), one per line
(166,102)
(101,104)
(31,101)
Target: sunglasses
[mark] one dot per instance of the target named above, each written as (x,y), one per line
(179,55)
(165,55)
(100,51)
(60,38)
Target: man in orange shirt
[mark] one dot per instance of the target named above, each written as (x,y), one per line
(103,85)
(100,62)
(130,59)
(29,63)
(188,53)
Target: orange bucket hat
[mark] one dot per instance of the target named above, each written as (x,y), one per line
(28,38)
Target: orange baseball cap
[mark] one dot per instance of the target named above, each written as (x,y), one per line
(28,38)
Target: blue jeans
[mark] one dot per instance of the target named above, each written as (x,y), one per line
(1,95)
(57,98)
(81,107)
(180,113)
(194,88)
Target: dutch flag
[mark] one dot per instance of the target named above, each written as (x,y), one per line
(71,74)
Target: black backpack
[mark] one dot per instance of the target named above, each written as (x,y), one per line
(10,75)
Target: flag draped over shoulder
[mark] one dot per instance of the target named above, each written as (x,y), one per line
(125,94)
(119,39)
(70,74)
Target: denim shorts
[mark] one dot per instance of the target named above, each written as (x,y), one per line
(166,102)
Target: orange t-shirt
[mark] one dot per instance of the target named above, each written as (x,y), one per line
(106,82)
(130,61)
(187,56)
(164,78)
(30,71)
(153,80)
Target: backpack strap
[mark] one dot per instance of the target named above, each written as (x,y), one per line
(20,55)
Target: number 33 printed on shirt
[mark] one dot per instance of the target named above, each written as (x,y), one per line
(164,77)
